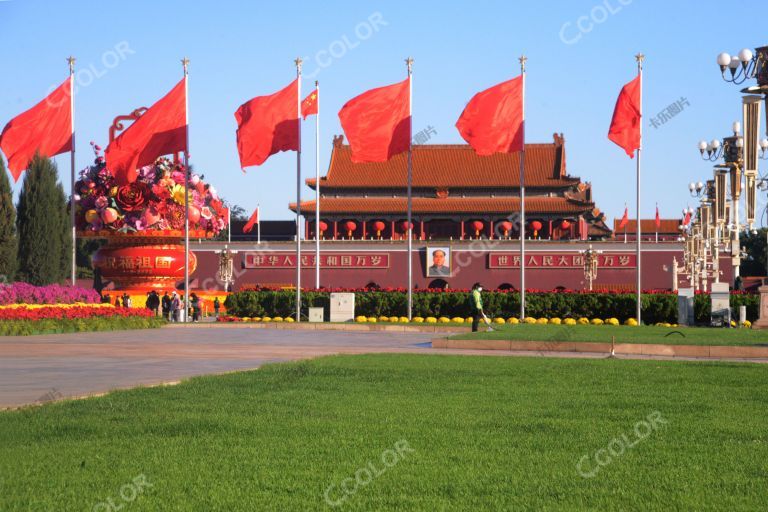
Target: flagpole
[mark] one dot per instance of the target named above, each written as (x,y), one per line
(258,224)
(298,62)
(71,61)
(522,60)
(317,188)
(409,64)
(229,224)
(185,63)
(639,57)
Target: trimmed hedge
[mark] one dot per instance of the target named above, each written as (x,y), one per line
(657,307)
(28,327)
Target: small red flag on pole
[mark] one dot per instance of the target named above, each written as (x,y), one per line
(309,105)
(252,221)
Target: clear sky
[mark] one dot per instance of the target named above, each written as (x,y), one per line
(129,55)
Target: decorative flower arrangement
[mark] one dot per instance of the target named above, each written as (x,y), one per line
(25,293)
(152,205)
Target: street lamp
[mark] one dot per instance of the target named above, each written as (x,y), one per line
(696,189)
(744,66)
(226,267)
(591,259)
(729,148)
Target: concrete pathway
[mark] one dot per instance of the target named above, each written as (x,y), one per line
(36,369)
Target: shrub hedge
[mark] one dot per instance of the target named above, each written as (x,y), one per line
(51,326)
(657,307)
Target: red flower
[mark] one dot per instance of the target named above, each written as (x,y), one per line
(132,197)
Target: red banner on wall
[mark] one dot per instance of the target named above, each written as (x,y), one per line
(562,260)
(333,260)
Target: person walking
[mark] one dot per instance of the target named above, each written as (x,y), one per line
(117,302)
(166,306)
(127,302)
(216,307)
(476,302)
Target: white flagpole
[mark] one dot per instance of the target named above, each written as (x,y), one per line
(409,63)
(639,57)
(258,224)
(185,63)
(72,202)
(522,59)
(229,225)
(298,62)
(317,188)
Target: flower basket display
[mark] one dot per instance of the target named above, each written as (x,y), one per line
(143,222)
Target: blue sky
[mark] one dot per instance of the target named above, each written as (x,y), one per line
(129,53)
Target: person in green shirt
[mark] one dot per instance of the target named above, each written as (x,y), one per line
(476,302)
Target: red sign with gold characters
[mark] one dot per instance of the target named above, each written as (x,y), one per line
(332,260)
(559,260)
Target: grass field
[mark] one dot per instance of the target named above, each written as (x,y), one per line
(623,334)
(404,432)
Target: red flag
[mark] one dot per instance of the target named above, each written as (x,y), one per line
(252,221)
(687,219)
(46,127)
(658,219)
(377,122)
(309,105)
(625,219)
(161,130)
(625,125)
(492,121)
(267,125)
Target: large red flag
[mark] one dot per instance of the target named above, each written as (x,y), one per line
(492,121)
(267,125)
(625,125)
(46,127)
(309,105)
(252,221)
(161,130)
(377,122)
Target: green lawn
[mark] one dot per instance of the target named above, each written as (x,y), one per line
(623,334)
(421,432)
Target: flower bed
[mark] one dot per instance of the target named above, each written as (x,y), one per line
(25,319)
(25,293)
(658,307)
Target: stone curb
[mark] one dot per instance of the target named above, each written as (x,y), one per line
(634,349)
(306,326)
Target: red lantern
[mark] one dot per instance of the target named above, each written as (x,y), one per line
(351,226)
(565,224)
(477,225)
(536,226)
(323,226)
(506,226)
(379,227)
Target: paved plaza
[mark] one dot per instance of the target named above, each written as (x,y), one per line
(36,369)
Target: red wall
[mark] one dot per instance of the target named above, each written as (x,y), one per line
(656,265)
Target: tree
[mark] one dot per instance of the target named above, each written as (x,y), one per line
(39,224)
(8,241)
(755,245)
(65,233)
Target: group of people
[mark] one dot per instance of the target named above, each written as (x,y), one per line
(171,305)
